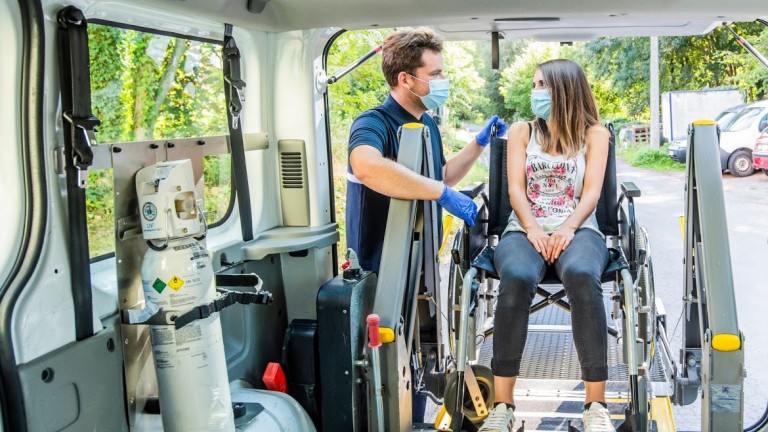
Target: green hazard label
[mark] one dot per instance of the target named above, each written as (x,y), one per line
(159,286)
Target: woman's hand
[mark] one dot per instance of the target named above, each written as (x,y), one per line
(558,241)
(539,239)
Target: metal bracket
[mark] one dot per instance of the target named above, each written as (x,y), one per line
(474,392)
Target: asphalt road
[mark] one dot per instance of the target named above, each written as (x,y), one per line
(658,209)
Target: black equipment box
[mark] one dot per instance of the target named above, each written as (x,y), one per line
(342,307)
(300,361)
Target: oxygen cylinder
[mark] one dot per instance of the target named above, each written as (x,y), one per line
(190,362)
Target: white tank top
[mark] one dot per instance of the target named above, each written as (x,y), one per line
(553,188)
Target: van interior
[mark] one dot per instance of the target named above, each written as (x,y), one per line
(239,205)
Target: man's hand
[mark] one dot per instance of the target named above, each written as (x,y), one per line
(458,204)
(484,137)
(558,241)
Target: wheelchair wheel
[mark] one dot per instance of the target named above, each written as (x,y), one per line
(484,378)
(647,321)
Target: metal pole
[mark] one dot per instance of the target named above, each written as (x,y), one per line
(654,92)
(352,66)
(374,344)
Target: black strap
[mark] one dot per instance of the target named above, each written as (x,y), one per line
(79,126)
(152,315)
(233,92)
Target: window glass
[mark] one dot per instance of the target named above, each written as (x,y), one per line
(743,119)
(146,86)
(724,118)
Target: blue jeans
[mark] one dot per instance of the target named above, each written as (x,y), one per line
(521,269)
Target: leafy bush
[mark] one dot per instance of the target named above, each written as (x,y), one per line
(645,157)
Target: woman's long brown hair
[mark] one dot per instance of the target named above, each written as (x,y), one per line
(573,110)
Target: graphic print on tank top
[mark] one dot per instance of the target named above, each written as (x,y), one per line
(551,186)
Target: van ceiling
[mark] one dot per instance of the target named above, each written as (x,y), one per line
(548,20)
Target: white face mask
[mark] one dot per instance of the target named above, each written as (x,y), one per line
(541,102)
(439,90)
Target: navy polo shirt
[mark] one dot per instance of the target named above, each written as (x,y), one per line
(366,216)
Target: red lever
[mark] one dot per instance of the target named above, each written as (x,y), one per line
(373,331)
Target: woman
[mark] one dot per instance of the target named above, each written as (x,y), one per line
(555,166)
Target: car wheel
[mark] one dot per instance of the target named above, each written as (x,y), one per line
(740,164)
(765,171)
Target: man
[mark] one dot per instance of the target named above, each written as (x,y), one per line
(412,64)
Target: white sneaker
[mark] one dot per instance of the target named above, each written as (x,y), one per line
(501,419)
(597,419)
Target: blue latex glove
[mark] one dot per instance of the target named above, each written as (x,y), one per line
(484,137)
(458,204)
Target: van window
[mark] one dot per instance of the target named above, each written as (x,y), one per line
(743,119)
(147,86)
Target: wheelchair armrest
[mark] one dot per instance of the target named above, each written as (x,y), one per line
(473,190)
(630,190)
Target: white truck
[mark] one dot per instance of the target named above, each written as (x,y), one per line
(680,108)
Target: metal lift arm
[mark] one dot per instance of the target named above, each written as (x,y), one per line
(747,46)
(709,286)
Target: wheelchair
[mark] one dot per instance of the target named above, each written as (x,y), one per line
(633,319)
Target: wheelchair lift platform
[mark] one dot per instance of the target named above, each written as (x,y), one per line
(549,392)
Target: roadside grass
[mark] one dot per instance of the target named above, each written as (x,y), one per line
(643,156)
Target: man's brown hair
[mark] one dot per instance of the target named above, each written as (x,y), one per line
(402,51)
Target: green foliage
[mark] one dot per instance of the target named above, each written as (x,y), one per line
(645,157)
(509,51)
(466,82)
(217,190)
(618,68)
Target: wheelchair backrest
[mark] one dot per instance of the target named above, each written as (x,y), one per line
(500,208)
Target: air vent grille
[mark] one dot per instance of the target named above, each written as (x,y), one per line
(291,170)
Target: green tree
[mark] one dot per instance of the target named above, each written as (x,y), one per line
(466,82)
(493,101)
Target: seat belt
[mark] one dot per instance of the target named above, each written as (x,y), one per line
(79,125)
(233,92)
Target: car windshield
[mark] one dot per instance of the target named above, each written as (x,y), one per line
(743,119)
(724,118)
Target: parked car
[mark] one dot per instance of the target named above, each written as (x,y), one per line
(760,153)
(738,133)
(677,148)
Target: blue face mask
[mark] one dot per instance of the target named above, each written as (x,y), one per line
(439,90)
(541,102)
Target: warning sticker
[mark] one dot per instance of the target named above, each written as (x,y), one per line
(158,285)
(176,283)
(726,398)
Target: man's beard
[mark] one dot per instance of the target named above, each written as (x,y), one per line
(416,101)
